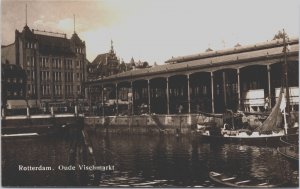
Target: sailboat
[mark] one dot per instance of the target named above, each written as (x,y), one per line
(272,128)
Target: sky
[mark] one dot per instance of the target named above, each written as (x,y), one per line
(154,30)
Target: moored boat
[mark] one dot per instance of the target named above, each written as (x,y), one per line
(270,130)
(234,181)
(36,130)
(290,148)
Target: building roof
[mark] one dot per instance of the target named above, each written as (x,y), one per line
(236,49)
(57,46)
(212,59)
(75,38)
(51,43)
(100,59)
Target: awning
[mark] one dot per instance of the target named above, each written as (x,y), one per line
(16,104)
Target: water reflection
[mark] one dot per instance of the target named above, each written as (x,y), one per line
(142,161)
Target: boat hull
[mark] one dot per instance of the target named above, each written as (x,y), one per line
(233,181)
(268,140)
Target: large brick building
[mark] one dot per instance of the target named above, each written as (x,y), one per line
(55,65)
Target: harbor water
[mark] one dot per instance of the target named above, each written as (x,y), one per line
(137,161)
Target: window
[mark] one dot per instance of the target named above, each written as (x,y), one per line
(15,80)
(46,62)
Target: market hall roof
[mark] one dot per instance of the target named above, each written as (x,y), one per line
(260,51)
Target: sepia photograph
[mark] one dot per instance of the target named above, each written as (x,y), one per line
(148,93)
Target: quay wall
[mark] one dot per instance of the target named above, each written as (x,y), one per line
(36,120)
(148,124)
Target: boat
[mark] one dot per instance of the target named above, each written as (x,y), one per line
(271,129)
(36,130)
(234,181)
(290,148)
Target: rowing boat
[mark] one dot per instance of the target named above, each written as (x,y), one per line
(234,181)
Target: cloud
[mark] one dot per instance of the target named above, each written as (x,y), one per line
(156,30)
(65,25)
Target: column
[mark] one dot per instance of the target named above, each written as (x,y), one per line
(168,97)
(188,90)
(117,98)
(90,99)
(132,99)
(269,85)
(224,89)
(102,96)
(149,97)
(212,92)
(239,89)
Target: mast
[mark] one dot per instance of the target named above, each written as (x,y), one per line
(26,15)
(286,80)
